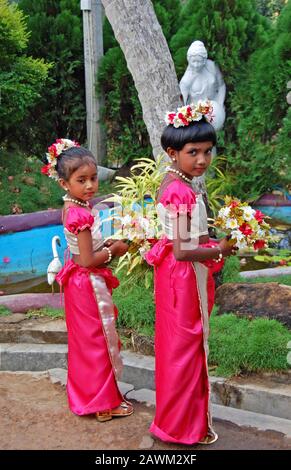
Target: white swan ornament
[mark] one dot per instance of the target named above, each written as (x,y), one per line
(55,265)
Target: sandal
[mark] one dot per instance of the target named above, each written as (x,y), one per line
(210,438)
(124,409)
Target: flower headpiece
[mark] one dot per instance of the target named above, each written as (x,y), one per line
(54,151)
(190,113)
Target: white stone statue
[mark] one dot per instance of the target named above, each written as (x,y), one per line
(203,81)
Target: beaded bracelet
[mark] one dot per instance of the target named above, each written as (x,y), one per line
(109,254)
(220,256)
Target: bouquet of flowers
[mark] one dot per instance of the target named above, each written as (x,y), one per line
(245,226)
(135,217)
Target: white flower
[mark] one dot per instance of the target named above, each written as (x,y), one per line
(231,223)
(182,110)
(177,122)
(197,116)
(126,220)
(224,212)
(237,234)
(144,223)
(248,213)
(241,244)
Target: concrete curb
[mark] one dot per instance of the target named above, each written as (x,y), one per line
(138,370)
(32,356)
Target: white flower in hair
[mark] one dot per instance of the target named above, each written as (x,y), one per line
(187,114)
(54,151)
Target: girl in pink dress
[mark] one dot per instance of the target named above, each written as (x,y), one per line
(94,362)
(184,260)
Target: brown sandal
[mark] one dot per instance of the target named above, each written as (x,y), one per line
(124,409)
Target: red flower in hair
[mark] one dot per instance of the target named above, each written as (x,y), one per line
(45,169)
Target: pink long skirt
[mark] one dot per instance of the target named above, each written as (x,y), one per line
(182,385)
(91,384)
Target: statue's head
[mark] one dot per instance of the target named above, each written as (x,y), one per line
(197,56)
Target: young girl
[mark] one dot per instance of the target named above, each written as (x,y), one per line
(184,261)
(94,362)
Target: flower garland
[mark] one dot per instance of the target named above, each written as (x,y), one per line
(54,151)
(192,112)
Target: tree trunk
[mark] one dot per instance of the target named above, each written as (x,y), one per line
(149,60)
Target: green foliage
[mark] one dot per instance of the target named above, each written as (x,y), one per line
(122,115)
(261,157)
(144,181)
(238,345)
(23,188)
(231,269)
(218,183)
(284,279)
(270,8)
(281,257)
(46,312)
(168,12)
(56,35)
(135,305)
(13,33)
(230,30)
(126,132)
(4,311)
(21,78)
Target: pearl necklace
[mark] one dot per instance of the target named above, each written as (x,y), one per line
(75,201)
(179,173)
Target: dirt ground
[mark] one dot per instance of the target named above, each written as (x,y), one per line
(34,415)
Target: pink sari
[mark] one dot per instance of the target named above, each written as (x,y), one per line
(184,297)
(94,362)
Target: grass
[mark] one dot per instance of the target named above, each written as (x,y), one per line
(24,189)
(4,311)
(280,279)
(237,345)
(46,312)
(136,307)
(230,271)
(243,346)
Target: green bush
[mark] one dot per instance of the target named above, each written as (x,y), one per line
(56,35)
(260,155)
(23,188)
(238,345)
(4,311)
(229,30)
(231,269)
(21,78)
(122,115)
(136,307)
